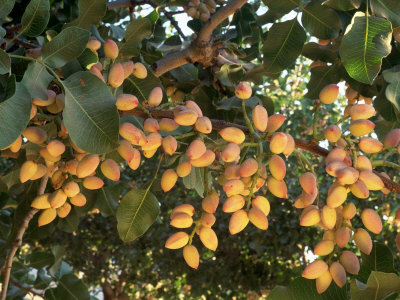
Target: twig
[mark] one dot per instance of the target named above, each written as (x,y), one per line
(18,240)
(383,163)
(120,4)
(172,13)
(25,44)
(204,48)
(132,3)
(310,146)
(11,29)
(174,23)
(32,291)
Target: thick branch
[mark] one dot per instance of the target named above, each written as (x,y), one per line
(217,18)
(203,49)
(310,146)
(18,240)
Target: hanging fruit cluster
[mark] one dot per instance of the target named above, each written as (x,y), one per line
(242,174)
(352,171)
(199,9)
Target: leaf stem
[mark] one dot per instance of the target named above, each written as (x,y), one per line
(156,173)
(145,110)
(15,37)
(196,224)
(305,160)
(189,134)
(255,178)
(205,181)
(383,163)
(43,64)
(247,120)
(353,151)
(296,152)
(315,134)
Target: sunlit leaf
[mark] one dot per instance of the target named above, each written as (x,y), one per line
(89,104)
(65,46)
(90,13)
(366,41)
(14,115)
(136,213)
(283,45)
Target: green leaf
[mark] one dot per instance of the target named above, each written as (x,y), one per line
(255,74)
(65,46)
(185,73)
(153,16)
(385,108)
(364,44)
(5,62)
(321,21)
(107,200)
(36,79)
(87,59)
(389,9)
(282,6)
(136,213)
(35,18)
(343,5)
(70,223)
(134,34)
(58,253)
(11,87)
(90,13)
(304,289)
(6,7)
(141,88)
(321,77)
(314,52)
(230,74)
(234,103)
(90,114)
(379,286)
(195,179)
(383,127)
(380,259)
(283,45)
(39,260)
(14,116)
(2,34)
(392,76)
(42,280)
(69,287)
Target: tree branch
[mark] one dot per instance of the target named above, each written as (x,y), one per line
(133,3)
(310,146)
(119,4)
(26,44)
(18,240)
(204,48)
(174,23)
(32,291)
(217,18)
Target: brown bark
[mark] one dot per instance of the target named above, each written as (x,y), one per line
(18,240)
(204,48)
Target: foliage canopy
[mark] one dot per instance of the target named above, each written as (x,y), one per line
(267,132)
